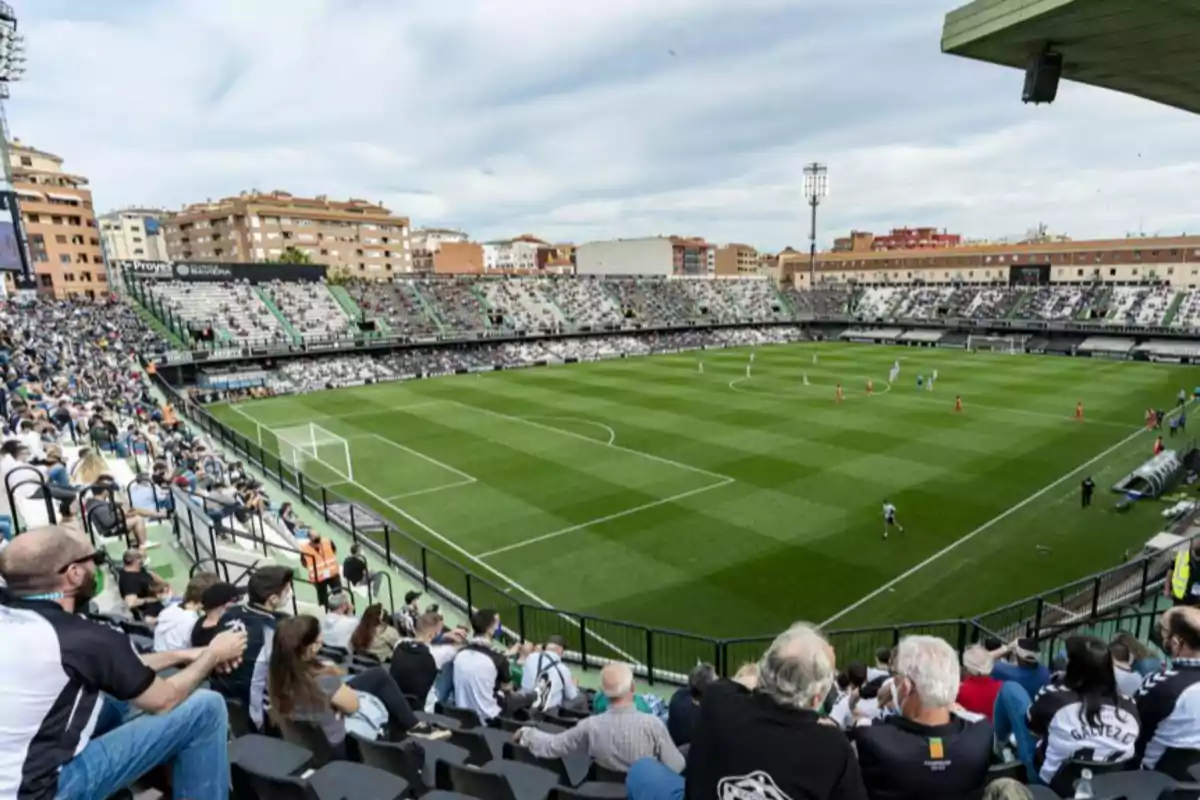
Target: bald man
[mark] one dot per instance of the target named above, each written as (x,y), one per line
(616,739)
(1169,702)
(65,682)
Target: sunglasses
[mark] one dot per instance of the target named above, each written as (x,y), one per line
(98,557)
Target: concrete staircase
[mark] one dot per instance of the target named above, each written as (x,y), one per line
(356,312)
(274,309)
(1173,309)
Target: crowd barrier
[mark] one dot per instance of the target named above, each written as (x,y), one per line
(667,655)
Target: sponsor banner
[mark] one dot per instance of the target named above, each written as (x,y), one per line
(200,271)
(1108,355)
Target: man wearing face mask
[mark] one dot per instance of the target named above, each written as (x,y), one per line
(66,684)
(269,592)
(925,750)
(1169,702)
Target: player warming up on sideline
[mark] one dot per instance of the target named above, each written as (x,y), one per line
(932,378)
(958,404)
(870,386)
(1079,410)
(889,518)
(700,367)
(895,372)
(838,395)
(748,365)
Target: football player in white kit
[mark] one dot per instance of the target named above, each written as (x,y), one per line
(889,518)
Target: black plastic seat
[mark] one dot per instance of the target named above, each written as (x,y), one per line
(425,754)
(1133,785)
(604,791)
(1181,791)
(240,723)
(467,718)
(484,744)
(1068,774)
(474,781)
(1014,770)
(523,755)
(344,780)
(528,782)
(441,720)
(309,736)
(606,775)
(273,755)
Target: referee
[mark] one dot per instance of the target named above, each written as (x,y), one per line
(1086,490)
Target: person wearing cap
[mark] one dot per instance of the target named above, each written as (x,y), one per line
(216,600)
(1024,669)
(174,628)
(406,618)
(142,590)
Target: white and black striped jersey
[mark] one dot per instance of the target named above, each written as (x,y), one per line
(1056,717)
(1169,706)
(53,667)
(889,513)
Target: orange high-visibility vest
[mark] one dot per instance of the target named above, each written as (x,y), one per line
(322,564)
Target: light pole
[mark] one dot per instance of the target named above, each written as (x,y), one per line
(816,187)
(12,69)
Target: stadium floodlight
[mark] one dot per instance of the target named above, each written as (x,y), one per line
(816,188)
(12,69)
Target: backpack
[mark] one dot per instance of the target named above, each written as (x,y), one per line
(543,686)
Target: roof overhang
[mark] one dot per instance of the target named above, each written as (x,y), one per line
(1146,48)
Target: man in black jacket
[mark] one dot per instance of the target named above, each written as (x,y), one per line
(767,741)
(925,751)
(415,664)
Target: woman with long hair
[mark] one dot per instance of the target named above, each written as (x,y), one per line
(373,635)
(89,470)
(1082,715)
(1144,661)
(303,688)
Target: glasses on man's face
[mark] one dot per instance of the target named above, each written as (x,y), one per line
(97,557)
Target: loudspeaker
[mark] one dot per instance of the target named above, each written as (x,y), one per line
(1041,78)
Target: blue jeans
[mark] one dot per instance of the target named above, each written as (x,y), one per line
(6,526)
(1012,707)
(192,738)
(650,779)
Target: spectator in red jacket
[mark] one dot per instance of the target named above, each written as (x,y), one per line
(978,690)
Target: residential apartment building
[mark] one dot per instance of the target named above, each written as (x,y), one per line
(510,255)
(458,258)
(60,225)
(736,259)
(898,239)
(426,242)
(133,233)
(691,255)
(654,255)
(353,237)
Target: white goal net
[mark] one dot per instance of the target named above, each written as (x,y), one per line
(316,452)
(997,344)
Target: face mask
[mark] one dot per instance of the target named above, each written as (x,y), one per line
(285,601)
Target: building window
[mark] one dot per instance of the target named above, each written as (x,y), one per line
(33,218)
(26,161)
(60,238)
(1112,272)
(86,277)
(1078,273)
(69,277)
(64,258)
(37,248)
(56,221)
(139,252)
(47,281)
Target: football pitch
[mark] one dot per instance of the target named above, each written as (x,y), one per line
(715,503)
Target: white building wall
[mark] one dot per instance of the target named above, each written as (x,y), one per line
(652,256)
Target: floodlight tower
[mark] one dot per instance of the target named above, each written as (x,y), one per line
(12,69)
(816,187)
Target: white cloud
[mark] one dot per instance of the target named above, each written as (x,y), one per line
(591,118)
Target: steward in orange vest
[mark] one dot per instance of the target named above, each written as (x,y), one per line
(319,556)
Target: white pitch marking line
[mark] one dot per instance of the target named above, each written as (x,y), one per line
(999,517)
(475,559)
(433,489)
(608,518)
(612,435)
(795,395)
(416,453)
(581,437)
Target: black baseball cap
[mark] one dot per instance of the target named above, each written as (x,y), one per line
(410,597)
(220,594)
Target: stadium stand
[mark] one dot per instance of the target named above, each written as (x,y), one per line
(309,308)
(397,303)
(585,301)
(234,310)
(455,303)
(524,304)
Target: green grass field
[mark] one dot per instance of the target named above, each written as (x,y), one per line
(713,503)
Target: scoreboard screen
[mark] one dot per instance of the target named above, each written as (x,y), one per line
(1032,275)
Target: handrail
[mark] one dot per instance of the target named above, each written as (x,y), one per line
(10,491)
(656,653)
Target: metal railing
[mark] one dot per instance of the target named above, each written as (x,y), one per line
(655,653)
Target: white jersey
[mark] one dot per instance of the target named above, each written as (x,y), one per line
(751,356)
(889,512)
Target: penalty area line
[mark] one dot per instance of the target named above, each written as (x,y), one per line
(985,526)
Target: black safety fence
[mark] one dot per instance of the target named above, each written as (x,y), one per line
(656,654)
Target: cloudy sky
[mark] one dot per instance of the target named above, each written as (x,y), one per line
(587,119)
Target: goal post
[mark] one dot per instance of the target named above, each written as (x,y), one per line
(317,452)
(996,344)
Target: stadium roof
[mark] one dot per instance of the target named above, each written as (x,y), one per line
(1146,48)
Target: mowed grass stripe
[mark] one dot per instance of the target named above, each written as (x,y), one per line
(810,478)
